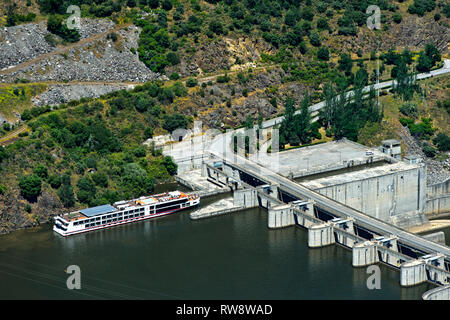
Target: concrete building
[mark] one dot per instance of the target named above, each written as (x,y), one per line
(392,148)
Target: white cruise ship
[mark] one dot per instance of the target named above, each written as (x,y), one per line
(122,212)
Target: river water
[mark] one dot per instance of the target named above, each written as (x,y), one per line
(229,257)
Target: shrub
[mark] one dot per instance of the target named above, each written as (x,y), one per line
(314,39)
(173,58)
(409,109)
(442,141)
(174,76)
(191,82)
(323,53)
(429,151)
(223,79)
(397,17)
(420,7)
(112,36)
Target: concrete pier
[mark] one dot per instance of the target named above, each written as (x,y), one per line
(242,199)
(440,293)
(364,254)
(320,235)
(427,268)
(412,273)
(203,187)
(281,216)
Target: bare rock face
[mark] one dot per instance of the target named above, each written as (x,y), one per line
(213,56)
(413,32)
(226,53)
(13,215)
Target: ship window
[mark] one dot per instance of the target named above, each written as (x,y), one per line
(114,215)
(98,223)
(119,219)
(97,219)
(142,214)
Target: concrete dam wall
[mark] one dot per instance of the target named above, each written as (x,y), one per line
(438,198)
(396,197)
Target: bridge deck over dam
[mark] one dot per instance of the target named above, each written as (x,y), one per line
(266,176)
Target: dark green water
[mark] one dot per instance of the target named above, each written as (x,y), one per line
(228,257)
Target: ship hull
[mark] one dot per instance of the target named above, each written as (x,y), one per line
(118,223)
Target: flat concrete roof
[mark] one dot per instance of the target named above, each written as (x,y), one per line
(321,157)
(359,175)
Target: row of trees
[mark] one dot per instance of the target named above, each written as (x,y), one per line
(297,129)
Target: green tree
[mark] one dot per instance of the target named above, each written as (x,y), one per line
(30,187)
(54,181)
(86,190)
(404,82)
(136,181)
(65,192)
(175,121)
(11,19)
(170,165)
(345,63)
(55,25)
(303,120)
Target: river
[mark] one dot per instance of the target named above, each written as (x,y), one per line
(229,257)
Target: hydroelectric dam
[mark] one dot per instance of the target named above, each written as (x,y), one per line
(374,236)
(329,222)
